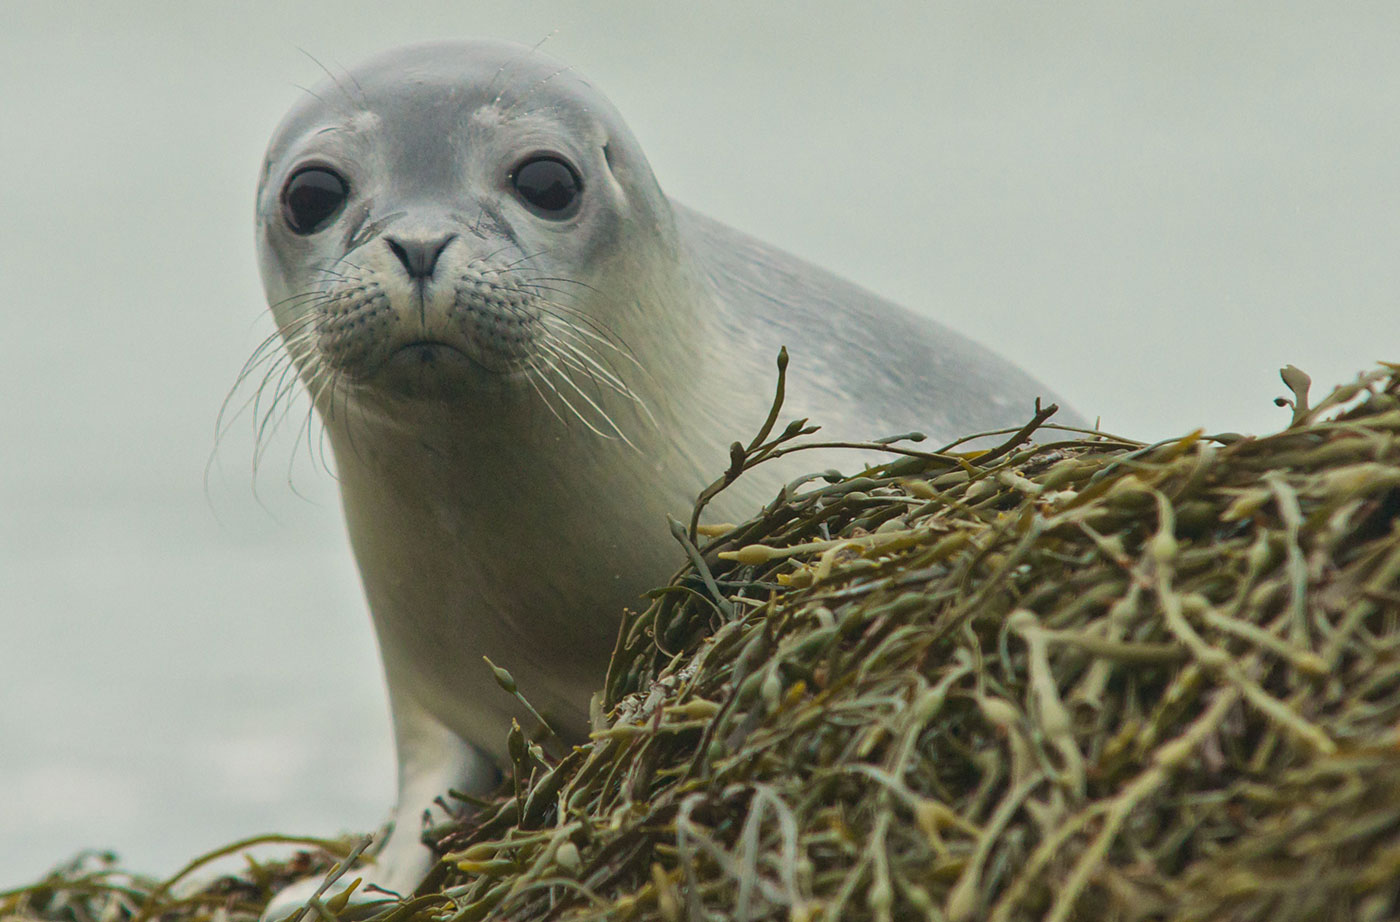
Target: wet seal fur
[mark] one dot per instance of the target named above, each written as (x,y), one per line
(517,395)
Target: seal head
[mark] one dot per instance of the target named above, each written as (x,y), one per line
(410,219)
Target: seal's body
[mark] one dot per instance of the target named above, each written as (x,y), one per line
(525,356)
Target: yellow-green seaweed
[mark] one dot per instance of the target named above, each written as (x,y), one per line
(1087,679)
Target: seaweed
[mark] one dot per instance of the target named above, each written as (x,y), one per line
(1084,678)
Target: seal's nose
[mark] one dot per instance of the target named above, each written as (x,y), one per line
(419,255)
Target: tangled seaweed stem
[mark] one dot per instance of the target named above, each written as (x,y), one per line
(314,904)
(738,454)
(1299,383)
(507,683)
(779,393)
(1168,757)
(1162,550)
(687,543)
(153,902)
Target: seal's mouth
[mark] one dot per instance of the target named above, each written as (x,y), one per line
(437,369)
(438,356)
(425,352)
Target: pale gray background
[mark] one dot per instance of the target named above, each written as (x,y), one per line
(1151,205)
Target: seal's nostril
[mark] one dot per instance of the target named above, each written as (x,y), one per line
(419,255)
(401,253)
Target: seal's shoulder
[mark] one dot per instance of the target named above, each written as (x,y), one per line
(894,358)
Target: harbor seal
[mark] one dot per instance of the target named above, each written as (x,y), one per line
(525,356)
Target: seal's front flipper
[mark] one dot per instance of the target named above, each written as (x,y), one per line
(432,761)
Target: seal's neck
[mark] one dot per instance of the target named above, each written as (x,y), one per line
(472,452)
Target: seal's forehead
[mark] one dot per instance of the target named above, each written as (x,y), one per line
(444,80)
(480,63)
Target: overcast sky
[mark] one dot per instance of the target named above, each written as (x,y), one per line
(1152,206)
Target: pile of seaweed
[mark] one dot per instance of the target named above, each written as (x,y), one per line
(1084,679)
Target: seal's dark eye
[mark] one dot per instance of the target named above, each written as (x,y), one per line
(548,186)
(312,197)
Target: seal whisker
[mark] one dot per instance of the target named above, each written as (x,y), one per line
(276,369)
(344,258)
(531,370)
(297,300)
(364,97)
(281,398)
(304,305)
(483,260)
(269,344)
(330,265)
(572,360)
(581,315)
(320,382)
(304,431)
(600,333)
(264,353)
(323,384)
(590,333)
(334,80)
(536,286)
(347,422)
(516,265)
(593,323)
(332,380)
(308,92)
(308,304)
(578,358)
(301,348)
(337,275)
(576,321)
(318,379)
(558,360)
(277,413)
(509,110)
(564,335)
(333,267)
(544,378)
(563,374)
(321,377)
(300,343)
(224,421)
(258,419)
(555,278)
(524,55)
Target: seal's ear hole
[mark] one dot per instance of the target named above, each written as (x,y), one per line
(608,157)
(312,197)
(549,186)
